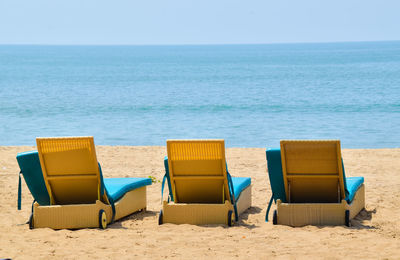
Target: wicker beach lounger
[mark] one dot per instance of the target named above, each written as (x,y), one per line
(201,190)
(309,185)
(67,184)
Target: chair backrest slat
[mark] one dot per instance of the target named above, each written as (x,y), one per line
(312,171)
(197,171)
(70,169)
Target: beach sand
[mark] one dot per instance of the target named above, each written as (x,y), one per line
(375,233)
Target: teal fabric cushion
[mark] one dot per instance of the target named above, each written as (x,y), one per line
(239,184)
(275,174)
(353,184)
(344,181)
(117,187)
(168,178)
(29,164)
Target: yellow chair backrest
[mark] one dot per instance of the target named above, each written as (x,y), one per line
(70,169)
(197,170)
(312,171)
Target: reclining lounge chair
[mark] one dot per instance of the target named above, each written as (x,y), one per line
(309,185)
(201,190)
(67,184)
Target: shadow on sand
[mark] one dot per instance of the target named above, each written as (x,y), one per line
(364,215)
(245,216)
(140,215)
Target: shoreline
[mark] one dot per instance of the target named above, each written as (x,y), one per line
(164,146)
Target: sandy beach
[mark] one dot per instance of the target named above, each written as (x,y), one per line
(375,232)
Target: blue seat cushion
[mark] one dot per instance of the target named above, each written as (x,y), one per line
(276,181)
(352,185)
(29,164)
(118,187)
(239,184)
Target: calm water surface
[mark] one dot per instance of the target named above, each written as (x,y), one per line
(250,95)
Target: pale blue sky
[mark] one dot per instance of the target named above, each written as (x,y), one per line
(197,22)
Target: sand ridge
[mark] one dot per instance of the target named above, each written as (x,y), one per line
(375,232)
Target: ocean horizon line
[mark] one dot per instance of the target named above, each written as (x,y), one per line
(193,44)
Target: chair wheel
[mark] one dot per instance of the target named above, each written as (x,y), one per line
(275,218)
(102,219)
(347,218)
(31,222)
(160,218)
(230,223)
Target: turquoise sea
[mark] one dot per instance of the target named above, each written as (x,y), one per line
(249,95)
